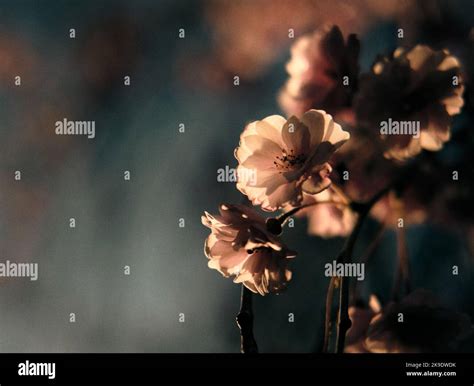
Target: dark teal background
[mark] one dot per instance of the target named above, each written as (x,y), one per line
(173,175)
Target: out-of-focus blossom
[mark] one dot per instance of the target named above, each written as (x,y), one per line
(367,171)
(280,159)
(360,317)
(240,245)
(360,167)
(390,208)
(418,85)
(328,219)
(427,326)
(250,35)
(17,57)
(360,170)
(248,50)
(323,72)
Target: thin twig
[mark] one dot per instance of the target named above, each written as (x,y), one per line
(283,217)
(344,322)
(402,277)
(244,319)
(369,252)
(327,322)
(374,243)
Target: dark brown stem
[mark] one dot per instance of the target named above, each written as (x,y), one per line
(369,252)
(327,322)
(344,322)
(402,278)
(283,217)
(248,345)
(374,243)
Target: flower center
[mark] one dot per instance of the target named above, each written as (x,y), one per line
(289,160)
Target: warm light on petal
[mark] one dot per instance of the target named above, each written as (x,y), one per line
(240,245)
(420,87)
(286,157)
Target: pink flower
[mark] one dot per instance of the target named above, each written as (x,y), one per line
(319,62)
(360,320)
(419,86)
(280,159)
(328,219)
(427,326)
(387,209)
(240,245)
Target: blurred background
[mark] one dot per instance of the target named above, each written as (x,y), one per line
(174,174)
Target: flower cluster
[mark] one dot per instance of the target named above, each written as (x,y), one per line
(297,165)
(418,86)
(288,160)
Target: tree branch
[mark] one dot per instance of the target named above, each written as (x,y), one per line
(327,322)
(344,322)
(402,276)
(368,254)
(284,217)
(244,319)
